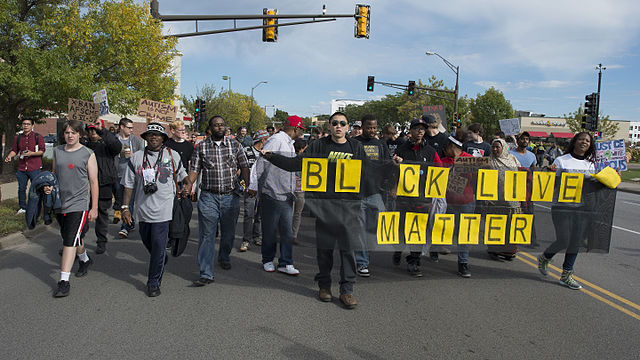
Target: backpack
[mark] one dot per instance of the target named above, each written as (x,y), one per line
(35,136)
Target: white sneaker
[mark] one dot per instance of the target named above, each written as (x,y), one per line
(123,233)
(289,270)
(269,267)
(21,211)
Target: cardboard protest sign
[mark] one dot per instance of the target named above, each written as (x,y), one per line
(457,184)
(438,111)
(469,164)
(85,111)
(100,98)
(611,153)
(510,126)
(155,111)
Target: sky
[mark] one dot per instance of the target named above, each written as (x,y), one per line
(540,54)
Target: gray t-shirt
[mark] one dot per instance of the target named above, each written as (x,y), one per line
(73,177)
(156,207)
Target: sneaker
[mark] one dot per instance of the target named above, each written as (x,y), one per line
(83,267)
(494,256)
(567,280)
(434,256)
(102,247)
(202,282)
(348,301)
(170,243)
(21,211)
(445,251)
(63,289)
(244,246)
(325,294)
(463,270)
(364,271)
(397,256)
(153,291)
(225,265)
(414,270)
(117,216)
(289,270)
(543,265)
(123,233)
(269,267)
(295,241)
(257,242)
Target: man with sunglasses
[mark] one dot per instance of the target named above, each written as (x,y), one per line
(130,145)
(335,212)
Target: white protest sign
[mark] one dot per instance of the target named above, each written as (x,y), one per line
(510,126)
(100,97)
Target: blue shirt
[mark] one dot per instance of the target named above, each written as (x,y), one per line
(526,160)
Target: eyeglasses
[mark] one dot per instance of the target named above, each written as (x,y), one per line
(341,122)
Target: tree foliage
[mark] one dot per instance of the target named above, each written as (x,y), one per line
(488,108)
(608,127)
(57,49)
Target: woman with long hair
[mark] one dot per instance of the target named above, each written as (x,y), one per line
(570,220)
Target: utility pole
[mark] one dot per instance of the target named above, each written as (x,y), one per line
(599,68)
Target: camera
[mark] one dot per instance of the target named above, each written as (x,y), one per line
(150,188)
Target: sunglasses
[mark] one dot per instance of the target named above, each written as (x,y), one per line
(341,122)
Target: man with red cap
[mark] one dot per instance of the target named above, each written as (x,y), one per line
(277,193)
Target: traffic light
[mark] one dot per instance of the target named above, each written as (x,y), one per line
(591,105)
(589,123)
(196,114)
(457,118)
(370,82)
(363,13)
(203,110)
(411,88)
(270,34)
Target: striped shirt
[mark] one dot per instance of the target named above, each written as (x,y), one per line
(218,164)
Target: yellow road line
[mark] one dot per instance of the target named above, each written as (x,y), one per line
(590,293)
(585,282)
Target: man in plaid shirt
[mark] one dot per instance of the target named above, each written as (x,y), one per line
(220,160)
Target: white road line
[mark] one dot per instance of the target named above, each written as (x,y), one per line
(621,228)
(544,207)
(631,203)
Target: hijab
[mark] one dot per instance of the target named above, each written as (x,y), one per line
(506,160)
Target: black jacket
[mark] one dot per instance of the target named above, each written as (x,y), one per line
(105,149)
(39,200)
(426,156)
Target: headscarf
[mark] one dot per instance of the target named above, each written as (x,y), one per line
(506,160)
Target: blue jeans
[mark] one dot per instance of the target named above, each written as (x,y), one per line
(154,237)
(214,208)
(277,215)
(23,178)
(118,190)
(369,208)
(468,208)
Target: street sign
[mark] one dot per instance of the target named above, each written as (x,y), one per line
(597,135)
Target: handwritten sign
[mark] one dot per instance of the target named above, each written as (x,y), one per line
(85,111)
(611,153)
(100,98)
(510,126)
(155,111)
(457,184)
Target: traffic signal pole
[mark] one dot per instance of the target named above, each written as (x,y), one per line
(599,68)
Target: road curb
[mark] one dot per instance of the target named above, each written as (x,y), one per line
(629,188)
(21,237)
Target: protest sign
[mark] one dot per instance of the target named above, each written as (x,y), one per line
(85,111)
(457,184)
(155,111)
(510,126)
(438,111)
(100,98)
(611,153)
(469,164)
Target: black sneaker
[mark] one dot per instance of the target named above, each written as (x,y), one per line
(83,267)
(202,282)
(102,247)
(463,270)
(225,265)
(414,270)
(169,244)
(153,291)
(397,256)
(63,289)
(434,256)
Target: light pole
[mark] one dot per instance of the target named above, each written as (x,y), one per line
(226,77)
(599,68)
(251,108)
(455,69)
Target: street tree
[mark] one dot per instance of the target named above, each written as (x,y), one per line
(53,50)
(608,127)
(488,108)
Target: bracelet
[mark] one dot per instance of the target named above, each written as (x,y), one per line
(124,207)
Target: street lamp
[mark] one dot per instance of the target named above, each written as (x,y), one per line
(225,77)
(455,69)
(252,99)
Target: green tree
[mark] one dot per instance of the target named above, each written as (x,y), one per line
(488,108)
(608,127)
(53,50)
(280,116)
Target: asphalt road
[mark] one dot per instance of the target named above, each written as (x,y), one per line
(505,311)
